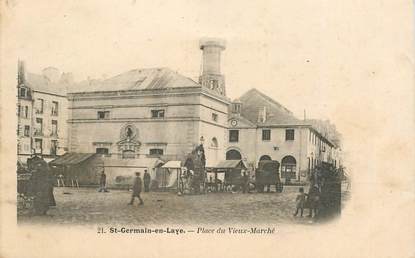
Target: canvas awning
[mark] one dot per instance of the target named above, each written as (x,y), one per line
(227,164)
(172,164)
(69,159)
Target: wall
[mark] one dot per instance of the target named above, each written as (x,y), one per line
(47,118)
(28,142)
(210,129)
(177,133)
(24,142)
(252,147)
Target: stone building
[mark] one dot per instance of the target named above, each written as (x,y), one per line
(42,113)
(156,112)
(152,112)
(262,129)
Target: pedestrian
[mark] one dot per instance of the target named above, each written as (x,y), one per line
(147,180)
(313,200)
(300,202)
(136,189)
(103,182)
(245,182)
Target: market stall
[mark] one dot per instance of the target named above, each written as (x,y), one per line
(231,171)
(170,173)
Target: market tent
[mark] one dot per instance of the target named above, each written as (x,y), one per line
(87,168)
(227,171)
(74,168)
(70,159)
(171,171)
(173,164)
(223,165)
(120,172)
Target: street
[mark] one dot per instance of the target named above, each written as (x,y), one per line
(87,206)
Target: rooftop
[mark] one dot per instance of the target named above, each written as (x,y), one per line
(137,79)
(41,83)
(253,105)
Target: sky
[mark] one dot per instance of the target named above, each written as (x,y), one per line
(277,49)
(325,57)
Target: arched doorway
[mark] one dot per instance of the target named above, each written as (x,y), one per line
(288,167)
(233,155)
(265,157)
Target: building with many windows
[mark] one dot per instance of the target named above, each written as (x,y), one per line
(42,114)
(262,129)
(152,112)
(158,113)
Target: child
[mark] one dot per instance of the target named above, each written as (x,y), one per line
(300,201)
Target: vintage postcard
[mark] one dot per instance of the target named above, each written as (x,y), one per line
(207,129)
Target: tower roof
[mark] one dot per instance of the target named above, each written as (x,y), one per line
(212,42)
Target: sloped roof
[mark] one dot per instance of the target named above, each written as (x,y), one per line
(41,83)
(173,164)
(224,164)
(137,79)
(71,159)
(254,101)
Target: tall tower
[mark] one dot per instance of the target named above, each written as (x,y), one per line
(211,76)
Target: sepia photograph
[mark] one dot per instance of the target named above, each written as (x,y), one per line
(260,128)
(191,152)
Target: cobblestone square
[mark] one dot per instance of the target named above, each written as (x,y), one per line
(87,206)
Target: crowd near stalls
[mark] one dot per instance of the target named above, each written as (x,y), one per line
(188,176)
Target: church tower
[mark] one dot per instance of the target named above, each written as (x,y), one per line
(211,76)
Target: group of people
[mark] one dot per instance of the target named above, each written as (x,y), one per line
(308,200)
(136,187)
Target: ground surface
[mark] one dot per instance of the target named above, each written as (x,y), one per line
(87,206)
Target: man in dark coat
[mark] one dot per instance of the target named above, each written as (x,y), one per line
(245,182)
(137,185)
(103,182)
(147,180)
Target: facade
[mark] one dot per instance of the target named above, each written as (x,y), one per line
(42,115)
(158,113)
(262,129)
(152,113)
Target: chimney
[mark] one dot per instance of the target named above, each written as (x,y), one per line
(21,77)
(211,76)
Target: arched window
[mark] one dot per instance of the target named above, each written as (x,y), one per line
(233,155)
(265,157)
(214,143)
(288,167)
